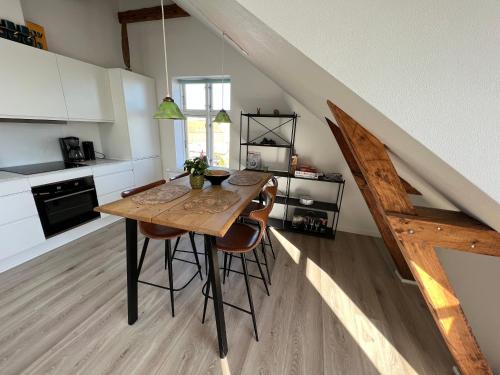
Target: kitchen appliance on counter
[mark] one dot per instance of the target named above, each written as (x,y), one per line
(65,204)
(41,167)
(88,150)
(71,150)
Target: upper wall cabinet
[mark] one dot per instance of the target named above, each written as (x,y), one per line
(30,83)
(86,91)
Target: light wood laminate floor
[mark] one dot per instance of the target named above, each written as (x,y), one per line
(335,308)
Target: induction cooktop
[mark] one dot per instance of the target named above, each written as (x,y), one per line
(41,168)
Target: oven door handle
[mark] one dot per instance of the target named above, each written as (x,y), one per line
(68,195)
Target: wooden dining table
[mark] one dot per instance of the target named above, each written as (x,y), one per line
(188,214)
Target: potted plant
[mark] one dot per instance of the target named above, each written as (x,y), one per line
(196,168)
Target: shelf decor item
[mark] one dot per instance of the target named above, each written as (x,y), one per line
(254,160)
(222,117)
(310,221)
(196,168)
(306,200)
(39,35)
(167,109)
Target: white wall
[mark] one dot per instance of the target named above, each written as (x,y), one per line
(86,30)
(193,50)
(32,143)
(426,65)
(11,10)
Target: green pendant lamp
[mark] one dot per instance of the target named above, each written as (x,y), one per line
(167,109)
(222,116)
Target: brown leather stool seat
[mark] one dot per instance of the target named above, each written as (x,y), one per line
(252,206)
(159,232)
(239,238)
(256,206)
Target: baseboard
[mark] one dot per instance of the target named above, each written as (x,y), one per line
(358,231)
(56,242)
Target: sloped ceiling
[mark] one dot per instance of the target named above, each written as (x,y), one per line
(312,85)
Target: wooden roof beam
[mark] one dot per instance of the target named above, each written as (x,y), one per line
(151,14)
(446,229)
(375,164)
(418,232)
(383,227)
(445,308)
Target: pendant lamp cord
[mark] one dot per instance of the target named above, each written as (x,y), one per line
(222,72)
(164,45)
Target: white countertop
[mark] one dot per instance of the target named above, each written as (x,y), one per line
(9,176)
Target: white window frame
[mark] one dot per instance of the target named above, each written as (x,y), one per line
(208,113)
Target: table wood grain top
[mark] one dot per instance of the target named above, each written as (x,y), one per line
(174,214)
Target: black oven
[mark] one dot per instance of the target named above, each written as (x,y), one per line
(65,204)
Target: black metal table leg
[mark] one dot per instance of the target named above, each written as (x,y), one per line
(132,300)
(214,275)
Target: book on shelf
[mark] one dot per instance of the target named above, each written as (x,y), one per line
(306,174)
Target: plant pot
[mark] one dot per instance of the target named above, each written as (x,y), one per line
(196,181)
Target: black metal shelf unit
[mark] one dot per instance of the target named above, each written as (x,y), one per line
(285,198)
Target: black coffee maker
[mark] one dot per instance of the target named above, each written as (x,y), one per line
(70,147)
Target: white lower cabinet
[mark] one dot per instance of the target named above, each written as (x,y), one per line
(113,182)
(20,235)
(16,207)
(147,171)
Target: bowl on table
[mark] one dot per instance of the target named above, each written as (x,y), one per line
(216,176)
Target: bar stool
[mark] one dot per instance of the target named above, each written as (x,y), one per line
(160,232)
(184,174)
(273,190)
(240,239)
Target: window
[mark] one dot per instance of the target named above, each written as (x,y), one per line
(201,100)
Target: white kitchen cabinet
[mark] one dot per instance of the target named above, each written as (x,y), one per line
(86,90)
(113,182)
(147,171)
(19,236)
(17,206)
(134,134)
(140,104)
(30,83)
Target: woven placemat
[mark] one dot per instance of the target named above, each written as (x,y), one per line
(245,178)
(162,194)
(212,202)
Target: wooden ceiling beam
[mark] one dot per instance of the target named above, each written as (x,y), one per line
(384,229)
(409,187)
(374,163)
(457,233)
(445,308)
(151,14)
(418,232)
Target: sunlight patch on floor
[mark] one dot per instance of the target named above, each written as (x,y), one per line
(363,331)
(289,247)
